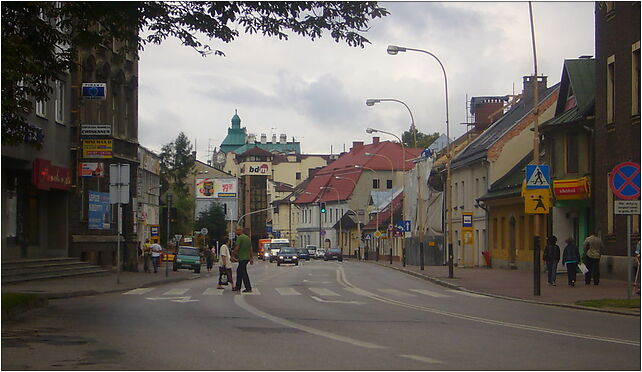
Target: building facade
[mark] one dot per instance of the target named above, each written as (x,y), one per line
(147,202)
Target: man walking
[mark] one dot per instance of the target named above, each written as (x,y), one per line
(156,253)
(243,252)
(592,254)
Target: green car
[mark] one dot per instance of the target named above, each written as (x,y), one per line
(188,258)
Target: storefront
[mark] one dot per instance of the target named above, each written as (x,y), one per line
(571,211)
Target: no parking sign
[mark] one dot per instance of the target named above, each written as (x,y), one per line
(625,180)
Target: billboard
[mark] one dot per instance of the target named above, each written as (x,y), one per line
(99,211)
(213,188)
(97,148)
(92,169)
(256,169)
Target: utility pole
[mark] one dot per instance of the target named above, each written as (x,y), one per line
(169,211)
(536,237)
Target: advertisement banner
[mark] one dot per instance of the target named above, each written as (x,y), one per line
(95,130)
(573,189)
(47,176)
(99,211)
(97,148)
(92,169)
(207,188)
(256,169)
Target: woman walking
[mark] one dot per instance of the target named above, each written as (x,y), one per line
(571,258)
(552,257)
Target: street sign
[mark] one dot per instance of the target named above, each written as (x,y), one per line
(468,237)
(204,231)
(95,130)
(537,201)
(467,220)
(390,227)
(625,180)
(367,236)
(119,183)
(178,237)
(154,230)
(268,229)
(322,232)
(377,234)
(538,177)
(94,90)
(627,207)
(403,226)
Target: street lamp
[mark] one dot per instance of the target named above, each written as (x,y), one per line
(338,197)
(394,50)
(371,102)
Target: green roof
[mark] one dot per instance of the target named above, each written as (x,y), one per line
(578,79)
(271,147)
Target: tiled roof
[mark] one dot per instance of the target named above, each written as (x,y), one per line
(510,184)
(578,81)
(384,215)
(255,151)
(271,147)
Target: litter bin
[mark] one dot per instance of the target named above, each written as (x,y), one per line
(486,255)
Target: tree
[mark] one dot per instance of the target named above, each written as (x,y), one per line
(176,163)
(423,140)
(214,220)
(40,39)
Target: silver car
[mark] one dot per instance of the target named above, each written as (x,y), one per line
(320,253)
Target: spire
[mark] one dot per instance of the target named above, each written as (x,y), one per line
(236,120)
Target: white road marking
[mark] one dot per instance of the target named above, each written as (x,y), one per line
(184,300)
(138,291)
(286,291)
(421,358)
(428,293)
(396,292)
(324,292)
(337,302)
(240,301)
(213,292)
(176,292)
(359,291)
(315,281)
(469,294)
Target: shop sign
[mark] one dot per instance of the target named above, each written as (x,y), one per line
(97,148)
(573,189)
(256,169)
(92,169)
(209,188)
(99,211)
(95,130)
(46,176)
(154,230)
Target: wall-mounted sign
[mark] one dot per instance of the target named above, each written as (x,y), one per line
(627,206)
(97,148)
(574,189)
(256,169)
(99,211)
(154,230)
(46,176)
(92,169)
(94,90)
(216,188)
(95,130)
(467,220)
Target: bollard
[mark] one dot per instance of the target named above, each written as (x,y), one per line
(536,266)
(403,256)
(421,255)
(451,270)
(391,256)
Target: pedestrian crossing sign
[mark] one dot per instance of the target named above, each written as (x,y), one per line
(537,201)
(538,177)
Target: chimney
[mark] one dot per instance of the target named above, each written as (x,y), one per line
(356,146)
(375,140)
(283,139)
(263,138)
(486,110)
(274,138)
(529,85)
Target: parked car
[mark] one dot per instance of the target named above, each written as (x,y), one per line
(287,255)
(312,250)
(303,254)
(187,257)
(333,254)
(319,253)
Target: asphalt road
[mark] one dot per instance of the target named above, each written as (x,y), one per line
(316,316)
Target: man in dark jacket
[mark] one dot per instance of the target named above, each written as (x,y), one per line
(552,257)
(571,258)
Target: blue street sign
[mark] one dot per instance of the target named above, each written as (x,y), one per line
(403,226)
(538,177)
(268,229)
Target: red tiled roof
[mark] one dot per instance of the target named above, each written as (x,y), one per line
(256,151)
(345,168)
(384,215)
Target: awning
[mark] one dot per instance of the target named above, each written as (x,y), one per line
(574,189)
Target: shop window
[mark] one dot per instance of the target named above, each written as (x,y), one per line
(610,89)
(635,79)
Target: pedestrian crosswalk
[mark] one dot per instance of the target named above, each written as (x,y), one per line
(302,290)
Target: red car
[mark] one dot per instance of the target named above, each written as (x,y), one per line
(333,254)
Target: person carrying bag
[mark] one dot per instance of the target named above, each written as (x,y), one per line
(225,268)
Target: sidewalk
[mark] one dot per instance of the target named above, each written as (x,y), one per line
(518,284)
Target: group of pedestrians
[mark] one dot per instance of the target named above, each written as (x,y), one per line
(242,253)
(151,254)
(588,264)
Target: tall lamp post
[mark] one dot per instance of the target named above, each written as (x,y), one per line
(338,197)
(371,102)
(392,196)
(394,50)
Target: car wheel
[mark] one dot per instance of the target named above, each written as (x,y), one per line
(341,260)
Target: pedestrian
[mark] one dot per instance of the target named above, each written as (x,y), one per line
(156,250)
(243,253)
(209,258)
(225,265)
(552,258)
(570,258)
(147,251)
(592,254)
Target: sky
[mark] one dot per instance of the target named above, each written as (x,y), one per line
(315,91)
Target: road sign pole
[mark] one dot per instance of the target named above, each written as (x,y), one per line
(421,254)
(628,256)
(169,208)
(120,231)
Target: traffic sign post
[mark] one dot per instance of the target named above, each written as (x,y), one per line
(624,181)
(537,201)
(119,194)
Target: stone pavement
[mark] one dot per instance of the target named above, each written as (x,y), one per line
(518,284)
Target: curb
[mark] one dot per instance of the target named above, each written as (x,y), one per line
(459,288)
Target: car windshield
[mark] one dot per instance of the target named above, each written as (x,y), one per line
(278,245)
(287,251)
(188,251)
(302,250)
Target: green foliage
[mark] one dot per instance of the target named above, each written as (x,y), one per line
(423,140)
(40,39)
(214,220)
(185,205)
(176,163)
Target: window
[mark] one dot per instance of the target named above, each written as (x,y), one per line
(59,91)
(455,196)
(571,153)
(389,184)
(635,79)
(298,175)
(610,89)
(41,109)
(375,183)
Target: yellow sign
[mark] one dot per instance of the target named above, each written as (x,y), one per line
(97,148)
(377,234)
(468,237)
(537,201)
